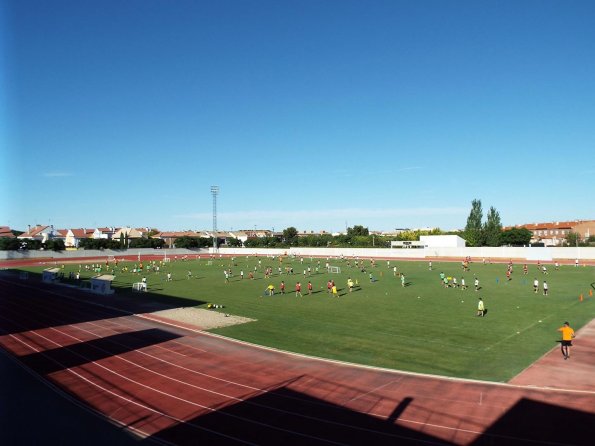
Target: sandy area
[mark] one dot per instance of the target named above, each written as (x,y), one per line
(201,318)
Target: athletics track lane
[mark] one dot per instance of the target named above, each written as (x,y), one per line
(181,386)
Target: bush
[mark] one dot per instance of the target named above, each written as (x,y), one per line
(55,245)
(192,242)
(146,243)
(10,244)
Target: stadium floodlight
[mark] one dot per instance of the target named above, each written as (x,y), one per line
(215,192)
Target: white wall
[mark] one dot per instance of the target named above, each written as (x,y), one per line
(501,253)
(492,253)
(444,241)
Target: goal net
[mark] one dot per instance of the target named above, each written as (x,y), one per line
(166,260)
(139,286)
(334,269)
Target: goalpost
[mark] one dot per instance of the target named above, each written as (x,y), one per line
(334,269)
(139,286)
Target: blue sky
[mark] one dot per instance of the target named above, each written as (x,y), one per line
(314,114)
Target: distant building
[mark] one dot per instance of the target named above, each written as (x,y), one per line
(309,233)
(257,233)
(129,232)
(104,233)
(5,232)
(442,241)
(38,232)
(394,233)
(555,233)
(74,236)
(169,237)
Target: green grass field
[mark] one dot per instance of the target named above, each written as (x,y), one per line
(422,327)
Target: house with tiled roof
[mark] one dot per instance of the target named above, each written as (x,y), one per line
(104,233)
(5,232)
(169,237)
(74,236)
(38,232)
(257,233)
(127,231)
(240,235)
(60,234)
(555,233)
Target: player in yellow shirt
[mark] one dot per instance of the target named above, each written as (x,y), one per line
(480,308)
(567,337)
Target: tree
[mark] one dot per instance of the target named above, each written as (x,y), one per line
(516,237)
(114,244)
(234,242)
(573,239)
(357,230)
(147,243)
(192,242)
(186,242)
(122,245)
(10,244)
(492,228)
(473,229)
(290,236)
(55,245)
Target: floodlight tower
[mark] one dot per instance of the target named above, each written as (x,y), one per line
(215,192)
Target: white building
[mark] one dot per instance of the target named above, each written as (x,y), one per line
(442,241)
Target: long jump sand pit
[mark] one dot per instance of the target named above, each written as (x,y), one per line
(198,318)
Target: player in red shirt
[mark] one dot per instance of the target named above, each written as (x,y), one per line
(309,287)
(298,289)
(282,287)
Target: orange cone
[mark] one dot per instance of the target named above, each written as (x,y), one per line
(591,293)
(580,298)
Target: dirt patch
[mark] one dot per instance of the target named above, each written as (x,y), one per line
(201,318)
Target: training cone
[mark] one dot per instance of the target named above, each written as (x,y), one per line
(591,293)
(580,297)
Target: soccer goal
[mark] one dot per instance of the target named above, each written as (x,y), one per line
(139,286)
(209,262)
(166,260)
(334,269)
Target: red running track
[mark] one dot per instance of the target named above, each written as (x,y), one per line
(183,386)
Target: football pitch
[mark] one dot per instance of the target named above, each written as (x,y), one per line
(420,327)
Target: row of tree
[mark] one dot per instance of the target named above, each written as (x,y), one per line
(490,233)
(121,243)
(14,244)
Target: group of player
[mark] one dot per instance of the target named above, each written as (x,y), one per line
(452,282)
(541,268)
(331,288)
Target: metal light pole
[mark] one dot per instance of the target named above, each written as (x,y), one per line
(215,192)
